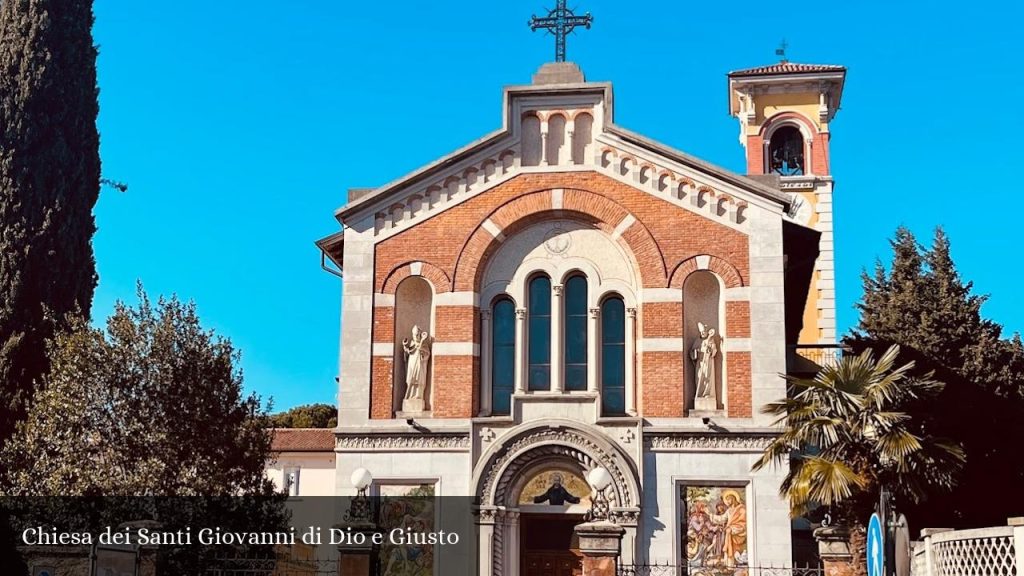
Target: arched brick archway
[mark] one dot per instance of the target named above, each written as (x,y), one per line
(727,272)
(432,273)
(577,204)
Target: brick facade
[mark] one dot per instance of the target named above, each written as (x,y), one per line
(665,241)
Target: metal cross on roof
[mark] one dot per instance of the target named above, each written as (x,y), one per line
(560,22)
(781,50)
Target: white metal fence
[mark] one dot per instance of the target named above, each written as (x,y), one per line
(997,551)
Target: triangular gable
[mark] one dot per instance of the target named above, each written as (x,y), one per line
(553,128)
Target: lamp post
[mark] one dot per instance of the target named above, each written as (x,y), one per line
(599,538)
(359,510)
(357,555)
(599,479)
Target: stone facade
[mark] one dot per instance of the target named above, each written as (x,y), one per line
(561,192)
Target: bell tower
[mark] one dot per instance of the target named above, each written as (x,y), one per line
(784,111)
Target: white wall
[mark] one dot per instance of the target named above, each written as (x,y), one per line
(316,472)
(768,523)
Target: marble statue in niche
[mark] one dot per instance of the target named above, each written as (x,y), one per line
(417,354)
(703,354)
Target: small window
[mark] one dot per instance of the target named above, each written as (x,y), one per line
(291,481)
(613,357)
(539,373)
(575,334)
(786,152)
(503,356)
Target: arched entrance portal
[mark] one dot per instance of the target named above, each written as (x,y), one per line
(529,457)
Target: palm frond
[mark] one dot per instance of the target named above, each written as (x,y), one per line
(830,481)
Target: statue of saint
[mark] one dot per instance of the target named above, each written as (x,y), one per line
(556,495)
(417,351)
(703,354)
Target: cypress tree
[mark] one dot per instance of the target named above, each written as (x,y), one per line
(49,183)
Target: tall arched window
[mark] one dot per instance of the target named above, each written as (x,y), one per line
(539,373)
(786,152)
(613,357)
(503,356)
(575,333)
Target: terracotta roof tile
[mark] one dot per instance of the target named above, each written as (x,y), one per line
(302,440)
(788,68)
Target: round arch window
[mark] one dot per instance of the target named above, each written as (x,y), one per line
(786,152)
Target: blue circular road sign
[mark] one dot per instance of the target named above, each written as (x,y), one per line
(876,549)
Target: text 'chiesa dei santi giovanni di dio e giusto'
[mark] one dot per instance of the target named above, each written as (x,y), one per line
(564,295)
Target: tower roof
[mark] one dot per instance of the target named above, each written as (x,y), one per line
(787,68)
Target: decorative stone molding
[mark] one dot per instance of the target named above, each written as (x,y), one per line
(625,516)
(503,465)
(448,188)
(707,442)
(403,442)
(798,183)
(505,462)
(645,171)
(490,515)
(627,436)
(661,180)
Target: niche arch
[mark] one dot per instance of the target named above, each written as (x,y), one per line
(414,306)
(704,303)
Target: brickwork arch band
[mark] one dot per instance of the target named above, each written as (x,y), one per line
(534,207)
(727,272)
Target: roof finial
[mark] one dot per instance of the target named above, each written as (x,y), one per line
(560,22)
(781,51)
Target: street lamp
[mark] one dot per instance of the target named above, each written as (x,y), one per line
(600,479)
(359,510)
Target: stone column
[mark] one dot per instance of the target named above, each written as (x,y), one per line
(631,361)
(357,559)
(512,541)
(556,337)
(487,522)
(834,550)
(544,142)
(485,362)
(521,357)
(599,544)
(593,350)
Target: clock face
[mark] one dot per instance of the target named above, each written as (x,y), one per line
(801,209)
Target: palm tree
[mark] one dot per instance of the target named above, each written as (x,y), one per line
(845,436)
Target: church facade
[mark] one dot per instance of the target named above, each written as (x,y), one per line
(564,295)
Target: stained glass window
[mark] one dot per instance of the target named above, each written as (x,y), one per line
(575,333)
(613,357)
(539,373)
(503,355)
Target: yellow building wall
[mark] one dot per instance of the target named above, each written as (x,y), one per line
(768,105)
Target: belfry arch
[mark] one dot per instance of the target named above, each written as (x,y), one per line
(503,468)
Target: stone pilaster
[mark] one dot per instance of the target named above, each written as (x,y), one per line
(599,543)
(834,550)
(357,559)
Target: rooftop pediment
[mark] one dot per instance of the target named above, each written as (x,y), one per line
(558,127)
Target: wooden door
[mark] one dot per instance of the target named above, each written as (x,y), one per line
(549,546)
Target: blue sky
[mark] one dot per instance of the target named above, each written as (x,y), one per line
(239,126)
